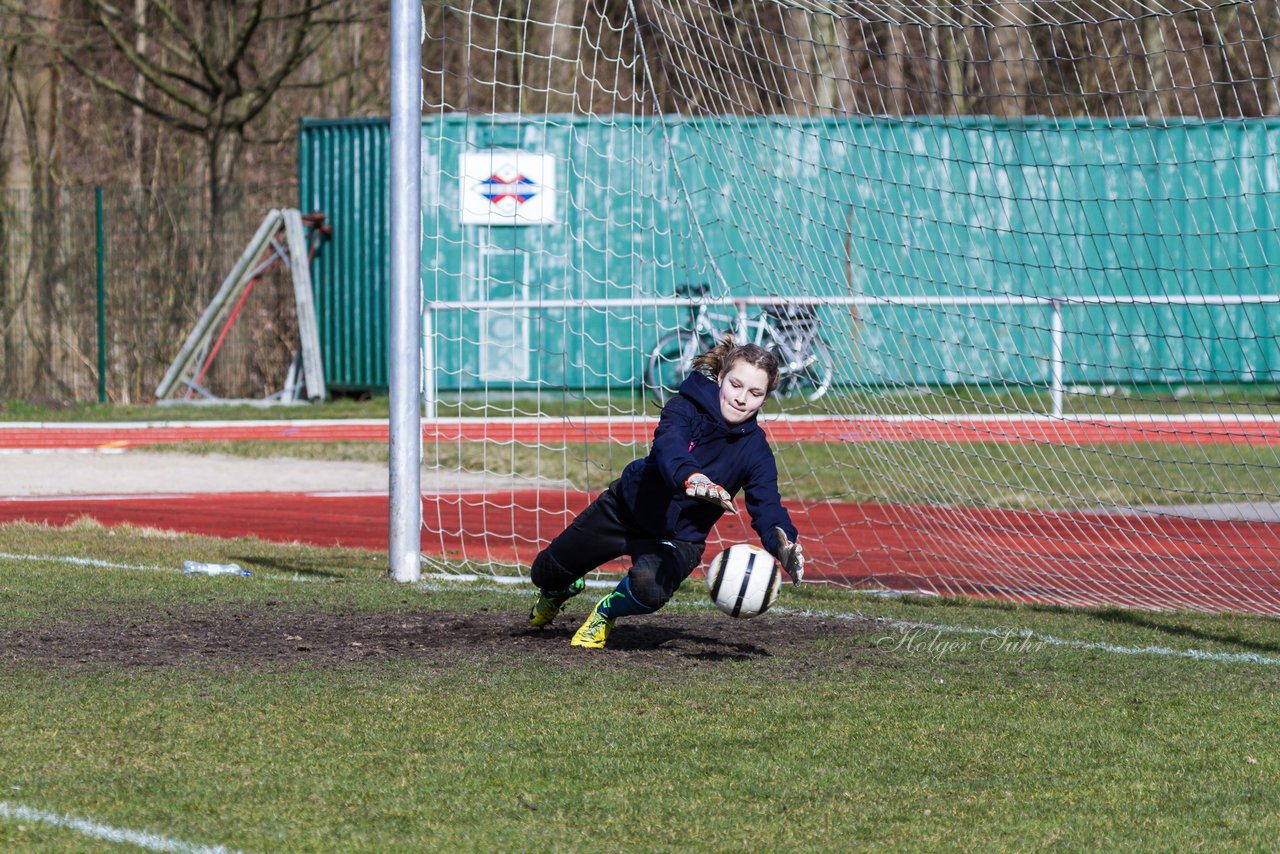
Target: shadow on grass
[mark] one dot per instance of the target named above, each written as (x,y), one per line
(665,640)
(679,641)
(1166,624)
(298,566)
(1174,624)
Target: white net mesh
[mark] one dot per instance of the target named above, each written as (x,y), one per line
(1013,257)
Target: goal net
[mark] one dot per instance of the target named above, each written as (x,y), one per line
(1017,261)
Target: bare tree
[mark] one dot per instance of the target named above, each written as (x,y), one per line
(136,150)
(207,68)
(30,287)
(553,38)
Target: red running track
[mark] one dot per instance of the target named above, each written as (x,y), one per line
(1259,430)
(1148,562)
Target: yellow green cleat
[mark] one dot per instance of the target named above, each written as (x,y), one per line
(595,631)
(549,603)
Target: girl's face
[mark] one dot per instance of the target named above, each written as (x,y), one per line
(743,390)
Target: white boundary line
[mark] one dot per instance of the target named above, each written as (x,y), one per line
(1002,634)
(79,561)
(508,580)
(506,583)
(103,564)
(97,830)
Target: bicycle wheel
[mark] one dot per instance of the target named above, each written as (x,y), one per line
(805,374)
(670,362)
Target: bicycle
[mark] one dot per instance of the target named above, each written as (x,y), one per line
(790,332)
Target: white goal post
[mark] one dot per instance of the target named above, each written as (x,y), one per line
(1039,242)
(405,312)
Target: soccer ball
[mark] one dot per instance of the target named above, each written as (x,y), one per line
(743,580)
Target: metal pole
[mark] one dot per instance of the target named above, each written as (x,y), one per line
(404,370)
(102,298)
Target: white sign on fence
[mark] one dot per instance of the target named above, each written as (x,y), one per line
(507,187)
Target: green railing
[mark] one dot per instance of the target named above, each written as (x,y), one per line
(100,285)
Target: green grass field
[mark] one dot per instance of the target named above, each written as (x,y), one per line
(317,706)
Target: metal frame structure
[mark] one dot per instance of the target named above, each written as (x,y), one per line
(284,237)
(1057,306)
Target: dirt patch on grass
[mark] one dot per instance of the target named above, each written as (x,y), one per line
(279,637)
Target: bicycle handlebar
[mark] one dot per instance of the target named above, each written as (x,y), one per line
(693,289)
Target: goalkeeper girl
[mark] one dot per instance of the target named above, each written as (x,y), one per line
(707,447)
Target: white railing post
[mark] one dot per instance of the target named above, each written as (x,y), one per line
(741,333)
(429,387)
(1056,364)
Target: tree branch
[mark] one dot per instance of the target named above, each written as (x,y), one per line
(125,47)
(171,119)
(240,42)
(186,33)
(187,54)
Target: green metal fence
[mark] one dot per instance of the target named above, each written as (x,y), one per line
(1105,210)
(100,285)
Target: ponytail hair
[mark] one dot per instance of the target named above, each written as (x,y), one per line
(719,359)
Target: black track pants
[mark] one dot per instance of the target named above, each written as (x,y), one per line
(604,532)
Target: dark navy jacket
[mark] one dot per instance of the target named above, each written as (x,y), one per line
(692,436)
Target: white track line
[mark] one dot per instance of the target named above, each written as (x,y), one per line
(1101,418)
(97,830)
(31,451)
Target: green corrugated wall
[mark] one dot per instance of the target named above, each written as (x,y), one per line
(819,207)
(344,172)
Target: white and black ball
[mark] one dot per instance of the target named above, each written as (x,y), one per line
(743,580)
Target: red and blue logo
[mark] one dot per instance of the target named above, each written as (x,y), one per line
(497,189)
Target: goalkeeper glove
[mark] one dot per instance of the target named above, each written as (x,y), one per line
(790,556)
(701,487)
